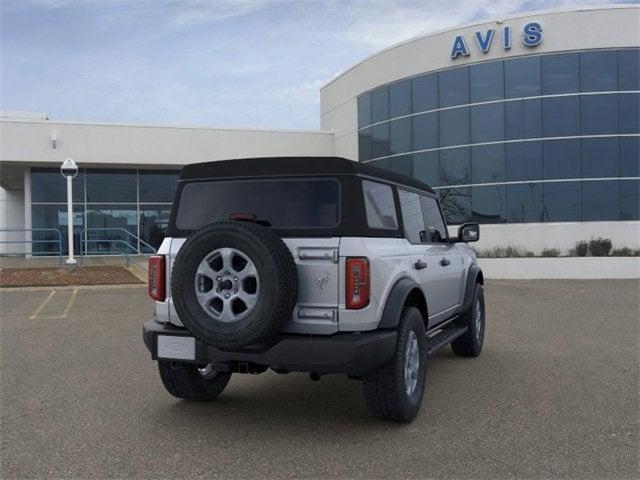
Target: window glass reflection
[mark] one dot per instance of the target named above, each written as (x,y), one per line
(486,81)
(523,161)
(561,116)
(523,119)
(454,166)
(400,135)
(562,201)
(487,163)
(522,77)
(116,219)
(487,123)
(454,87)
(153,224)
(600,201)
(456,204)
(379,205)
(488,204)
(424,92)
(524,203)
(411,215)
(630,200)
(400,98)
(560,73)
(364,110)
(454,127)
(55,217)
(380,140)
(630,157)
(158,187)
(561,159)
(600,157)
(48,185)
(425,131)
(629,112)
(599,114)
(599,71)
(426,167)
(380,104)
(365,144)
(629,69)
(401,164)
(111,186)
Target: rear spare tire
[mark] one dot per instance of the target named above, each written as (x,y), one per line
(234,284)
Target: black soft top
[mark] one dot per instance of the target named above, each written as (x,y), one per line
(293,166)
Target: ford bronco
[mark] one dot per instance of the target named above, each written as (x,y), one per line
(318,265)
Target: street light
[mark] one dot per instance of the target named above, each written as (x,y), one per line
(69,169)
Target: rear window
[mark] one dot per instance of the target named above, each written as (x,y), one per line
(284,203)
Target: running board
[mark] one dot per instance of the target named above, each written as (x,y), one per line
(444,337)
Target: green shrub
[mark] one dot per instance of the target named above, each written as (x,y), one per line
(600,247)
(625,252)
(582,248)
(505,252)
(550,252)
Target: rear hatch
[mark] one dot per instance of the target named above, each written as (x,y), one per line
(303,211)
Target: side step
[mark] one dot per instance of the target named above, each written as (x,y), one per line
(444,337)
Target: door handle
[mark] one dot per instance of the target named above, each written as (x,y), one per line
(445,261)
(419,265)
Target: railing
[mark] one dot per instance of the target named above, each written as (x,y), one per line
(31,241)
(129,251)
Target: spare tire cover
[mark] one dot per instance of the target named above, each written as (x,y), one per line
(234,284)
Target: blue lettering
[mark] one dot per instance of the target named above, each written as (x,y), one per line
(485,42)
(459,47)
(506,38)
(532,34)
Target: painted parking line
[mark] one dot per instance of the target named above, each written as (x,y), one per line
(66,310)
(42,305)
(37,314)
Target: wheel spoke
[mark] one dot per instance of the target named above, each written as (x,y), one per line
(249,299)
(204,298)
(247,272)
(205,270)
(226,254)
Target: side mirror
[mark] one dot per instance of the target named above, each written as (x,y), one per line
(469,232)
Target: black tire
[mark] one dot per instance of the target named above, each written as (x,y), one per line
(385,390)
(470,344)
(183,380)
(277,293)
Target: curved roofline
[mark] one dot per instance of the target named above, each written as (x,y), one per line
(612,6)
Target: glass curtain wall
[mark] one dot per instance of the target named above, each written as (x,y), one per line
(541,138)
(112,208)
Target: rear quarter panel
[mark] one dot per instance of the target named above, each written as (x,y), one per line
(389,261)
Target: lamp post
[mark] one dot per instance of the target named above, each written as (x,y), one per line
(69,169)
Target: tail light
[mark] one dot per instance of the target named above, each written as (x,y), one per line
(358,286)
(156,278)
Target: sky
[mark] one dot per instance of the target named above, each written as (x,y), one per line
(217,63)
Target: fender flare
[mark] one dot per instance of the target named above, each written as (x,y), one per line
(396,301)
(474,275)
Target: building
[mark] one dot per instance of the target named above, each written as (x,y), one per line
(528,124)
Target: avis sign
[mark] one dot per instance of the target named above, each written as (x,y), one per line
(531,37)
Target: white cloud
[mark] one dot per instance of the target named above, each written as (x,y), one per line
(193,12)
(380,23)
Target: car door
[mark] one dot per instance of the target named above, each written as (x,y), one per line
(444,259)
(425,256)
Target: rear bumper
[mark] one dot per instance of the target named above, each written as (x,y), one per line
(351,353)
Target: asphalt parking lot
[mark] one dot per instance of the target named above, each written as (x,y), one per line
(553,395)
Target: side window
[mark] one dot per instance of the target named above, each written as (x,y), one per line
(436,230)
(412,216)
(379,205)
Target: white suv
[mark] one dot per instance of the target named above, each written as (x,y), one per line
(319,265)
